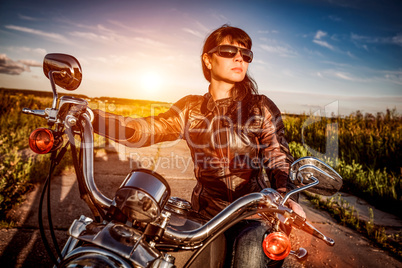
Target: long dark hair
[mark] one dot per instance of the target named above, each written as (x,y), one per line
(248,86)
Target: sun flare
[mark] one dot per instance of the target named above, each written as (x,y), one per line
(151,81)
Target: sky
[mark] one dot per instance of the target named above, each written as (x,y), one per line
(310,56)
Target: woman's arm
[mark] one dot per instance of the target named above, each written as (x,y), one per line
(139,132)
(276,153)
(275,150)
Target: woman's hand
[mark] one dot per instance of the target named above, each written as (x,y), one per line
(296,208)
(292,204)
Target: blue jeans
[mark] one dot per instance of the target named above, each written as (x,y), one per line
(244,246)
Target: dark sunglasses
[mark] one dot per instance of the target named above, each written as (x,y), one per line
(229,51)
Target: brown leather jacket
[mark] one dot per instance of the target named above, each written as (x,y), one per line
(231,142)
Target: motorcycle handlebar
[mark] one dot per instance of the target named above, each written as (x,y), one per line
(88,159)
(238,210)
(40,113)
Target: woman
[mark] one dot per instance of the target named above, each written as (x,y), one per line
(233,135)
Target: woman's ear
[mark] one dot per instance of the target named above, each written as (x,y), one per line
(207,60)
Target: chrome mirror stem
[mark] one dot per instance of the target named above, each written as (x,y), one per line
(55,96)
(314,183)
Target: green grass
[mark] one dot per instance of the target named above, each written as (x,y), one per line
(379,187)
(374,142)
(347,215)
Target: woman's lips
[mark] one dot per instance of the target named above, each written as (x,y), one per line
(237,69)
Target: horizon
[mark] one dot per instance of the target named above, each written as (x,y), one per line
(151,51)
(315,113)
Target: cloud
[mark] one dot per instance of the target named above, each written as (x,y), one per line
(351,55)
(334,18)
(101,34)
(345,72)
(320,34)
(19,50)
(151,42)
(393,76)
(128,28)
(312,52)
(390,40)
(344,76)
(53,36)
(23,17)
(317,40)
(193,32)
(324,44)
(267,31)
(92,36)
(111,59)
(31,63)
(282,50)
(8,66)
(397,39)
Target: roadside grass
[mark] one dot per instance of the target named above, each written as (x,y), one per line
(371,140)
(346,214)
(21,169)
(378,187)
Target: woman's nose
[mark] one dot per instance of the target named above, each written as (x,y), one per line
(238,56)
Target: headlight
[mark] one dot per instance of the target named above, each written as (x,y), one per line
(142,195)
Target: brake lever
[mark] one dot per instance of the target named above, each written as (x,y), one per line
(40,113)
(49,113)
(302,224)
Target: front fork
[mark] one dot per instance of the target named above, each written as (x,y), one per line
(76,228)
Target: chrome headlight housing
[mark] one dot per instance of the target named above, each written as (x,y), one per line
(142,195)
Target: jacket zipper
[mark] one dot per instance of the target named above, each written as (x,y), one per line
(222,156)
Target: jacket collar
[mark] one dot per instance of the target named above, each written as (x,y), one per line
(211,104)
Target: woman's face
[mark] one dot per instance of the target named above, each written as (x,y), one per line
(229,70)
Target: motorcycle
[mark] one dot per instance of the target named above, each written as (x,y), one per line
(143,226)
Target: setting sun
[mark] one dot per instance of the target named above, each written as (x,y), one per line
(151,81)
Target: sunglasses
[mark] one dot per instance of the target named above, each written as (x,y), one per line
(229,51)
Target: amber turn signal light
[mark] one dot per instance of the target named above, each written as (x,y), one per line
(276,246)
(41,140)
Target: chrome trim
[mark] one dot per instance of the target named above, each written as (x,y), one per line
(314,183)
(240,209)
(88,162)
(52,82)
(40,113)
(179,203)
(117,238)
(300,253)
(303,168)
(95,251)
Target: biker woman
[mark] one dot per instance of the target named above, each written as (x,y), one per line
(234,135)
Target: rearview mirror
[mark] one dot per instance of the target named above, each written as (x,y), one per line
(65,70)
(308,170)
